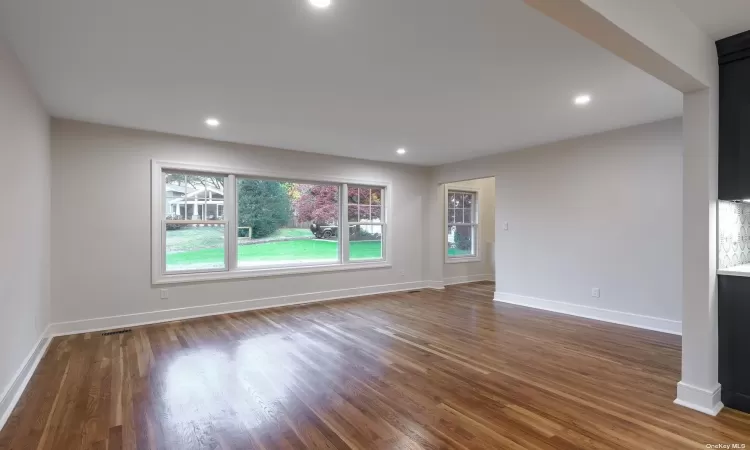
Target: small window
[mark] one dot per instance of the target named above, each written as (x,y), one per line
(366,223)
(463,224)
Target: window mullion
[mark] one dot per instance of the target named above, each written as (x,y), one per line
(230,216)
(163,226)
(475,239)
(163,239)
(383,246)
(344,230)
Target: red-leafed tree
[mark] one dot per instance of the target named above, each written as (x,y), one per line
(318,204)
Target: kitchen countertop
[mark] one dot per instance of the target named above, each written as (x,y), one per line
(738,271)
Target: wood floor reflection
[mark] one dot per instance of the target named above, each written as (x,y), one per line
(411,370)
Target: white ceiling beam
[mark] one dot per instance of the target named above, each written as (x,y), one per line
(653,35)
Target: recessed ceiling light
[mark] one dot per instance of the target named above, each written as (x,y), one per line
(212,122)
(320,3)
(401,151)
(582,100)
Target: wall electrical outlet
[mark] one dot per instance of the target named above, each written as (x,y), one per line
(595,293)
(164,294)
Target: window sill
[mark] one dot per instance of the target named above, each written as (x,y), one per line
(473,259)
(267,272)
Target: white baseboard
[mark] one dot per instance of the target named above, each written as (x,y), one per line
(707,401)
(132,320)
(589,312)
(434,285)
(468,279)
(15,388)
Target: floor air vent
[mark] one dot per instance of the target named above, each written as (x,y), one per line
(110,333)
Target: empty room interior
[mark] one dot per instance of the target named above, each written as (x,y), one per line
(352,224)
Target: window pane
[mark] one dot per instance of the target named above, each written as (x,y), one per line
(364,196)
(459,200)
(468,200)
(452,200)
(365,205)
(353,196)
(460,240)
(193,197)
(353,213)
(282,223)
(174,200)
(365,242)
(364,213)
(193,247)
(377,196)
(451,215)
(468,215)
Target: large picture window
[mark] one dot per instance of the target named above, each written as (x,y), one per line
(463,225)
(286,224)
(215,224)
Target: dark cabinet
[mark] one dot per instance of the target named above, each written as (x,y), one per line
(734,341)
(734,117)
(734,184)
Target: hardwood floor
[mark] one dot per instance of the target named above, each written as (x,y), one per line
(413,370)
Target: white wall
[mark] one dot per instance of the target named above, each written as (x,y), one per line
(101,238)
(599,211)
(24,227)
(481,270)
(665,43)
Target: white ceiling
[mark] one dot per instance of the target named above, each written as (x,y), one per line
(448,80)
(718,18)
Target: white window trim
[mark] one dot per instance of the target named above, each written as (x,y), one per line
(477,257)
(158,235)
